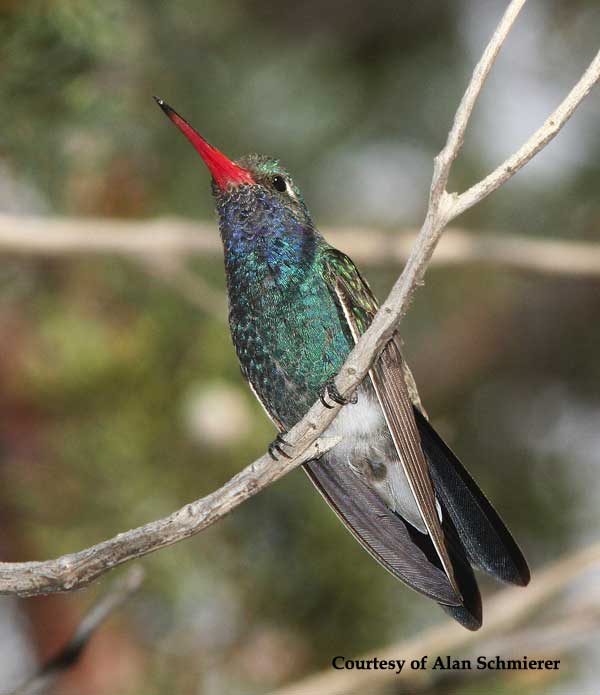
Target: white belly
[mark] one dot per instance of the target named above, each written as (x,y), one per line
(367,448)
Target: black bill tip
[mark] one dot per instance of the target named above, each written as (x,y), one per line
(163,105)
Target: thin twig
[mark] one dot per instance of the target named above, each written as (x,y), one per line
(167,242)
(461,119)
(504,611)
(120,591)
(75,570)
(65,236)
(78,569)
(536,142)
(558,639)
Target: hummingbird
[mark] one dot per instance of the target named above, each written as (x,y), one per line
(297,306)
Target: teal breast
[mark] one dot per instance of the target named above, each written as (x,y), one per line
(290,339)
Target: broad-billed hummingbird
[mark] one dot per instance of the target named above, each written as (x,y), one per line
(296,308)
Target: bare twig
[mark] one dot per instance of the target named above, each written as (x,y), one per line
(78,569)
(559,638)
(443,162)
(75,570)
(504,611)
(564,632)
(167,242)
(549,256)
(65,236)
(536,142)
(120,591)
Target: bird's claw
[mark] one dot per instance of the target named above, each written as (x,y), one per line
(276,448)
(330,390)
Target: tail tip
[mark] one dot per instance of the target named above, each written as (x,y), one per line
(470,619)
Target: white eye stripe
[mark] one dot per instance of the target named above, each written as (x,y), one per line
(289,190)
(277,180)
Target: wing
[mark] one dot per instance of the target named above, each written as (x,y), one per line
(384,534)
(358,305)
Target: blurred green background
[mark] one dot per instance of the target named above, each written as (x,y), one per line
(120,400)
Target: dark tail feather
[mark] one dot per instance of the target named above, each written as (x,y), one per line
(469,614)
(488,543)
(463,616)
(400,548)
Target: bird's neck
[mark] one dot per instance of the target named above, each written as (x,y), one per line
(268,246)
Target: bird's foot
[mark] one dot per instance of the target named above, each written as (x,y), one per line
(330,391)
(276,447)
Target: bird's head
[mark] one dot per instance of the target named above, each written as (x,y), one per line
(252,188)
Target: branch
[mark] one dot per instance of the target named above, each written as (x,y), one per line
(446,157)
(505,610)
(120,591)
(536,142)
(163,244)
(550,256)
(77,569)
(63,236)
(560,637)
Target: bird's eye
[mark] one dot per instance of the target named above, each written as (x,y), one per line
(279,183)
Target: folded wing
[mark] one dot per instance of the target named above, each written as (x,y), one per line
(358,306)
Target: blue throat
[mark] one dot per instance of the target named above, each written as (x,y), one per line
(268,245)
